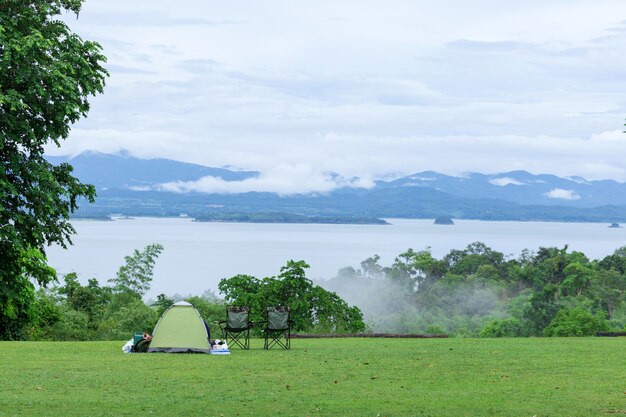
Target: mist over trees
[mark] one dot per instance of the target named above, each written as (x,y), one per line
(478,291)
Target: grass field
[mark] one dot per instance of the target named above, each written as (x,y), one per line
(321,377)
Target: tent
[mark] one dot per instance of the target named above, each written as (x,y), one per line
(181,329)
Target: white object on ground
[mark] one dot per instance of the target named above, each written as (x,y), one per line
(128,346)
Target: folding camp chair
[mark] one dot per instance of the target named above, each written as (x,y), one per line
(277,328)
(236,327)
(141,342)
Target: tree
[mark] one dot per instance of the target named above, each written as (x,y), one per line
(91,299)
(615,261)
(371,268)
(242,290)
(476,254)
(47,74)
(541,309)
(609,290)
(550,263)
(576,322)
(577,278)
(17,292)
(135,276)
(421,265)
(209,311)
(162,303)
(312,307)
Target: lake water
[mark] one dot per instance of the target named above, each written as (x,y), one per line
(197,255)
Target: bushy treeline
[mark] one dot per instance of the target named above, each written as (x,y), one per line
(72,311)
(478,291)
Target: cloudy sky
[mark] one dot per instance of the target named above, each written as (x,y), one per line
(361,88)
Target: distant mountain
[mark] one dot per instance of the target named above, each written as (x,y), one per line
(126,185)
(521,187)
(107,171)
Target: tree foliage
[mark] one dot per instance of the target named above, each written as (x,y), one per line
(576,322)
(502,328)
(47,74)
(135,276)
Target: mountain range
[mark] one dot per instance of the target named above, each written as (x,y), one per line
(132,186)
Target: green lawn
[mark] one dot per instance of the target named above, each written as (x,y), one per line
(323,377)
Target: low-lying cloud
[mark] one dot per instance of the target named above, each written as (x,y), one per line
(503,181)
(561,194)
(283,179)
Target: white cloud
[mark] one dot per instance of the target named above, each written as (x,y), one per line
(577,180)
(561,194)
(503,181)
(140,188)
(422,179)
(284,180)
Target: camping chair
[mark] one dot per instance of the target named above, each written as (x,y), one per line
(236,327)
(141,342)
(277,328)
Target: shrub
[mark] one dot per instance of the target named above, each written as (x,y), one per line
(46,313)
(121,323)
(576,322)
(71,326)
(502,328)
(435,329)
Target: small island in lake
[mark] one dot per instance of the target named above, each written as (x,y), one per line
(94,217)
(615,226)
(444,220)
(285,218)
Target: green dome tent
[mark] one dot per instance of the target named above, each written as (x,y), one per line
(181,329)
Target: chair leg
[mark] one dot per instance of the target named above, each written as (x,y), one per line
(240,339)
(273,339)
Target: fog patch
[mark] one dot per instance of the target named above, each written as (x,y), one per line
(454,307)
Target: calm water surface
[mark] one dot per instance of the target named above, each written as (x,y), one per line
(198,255)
